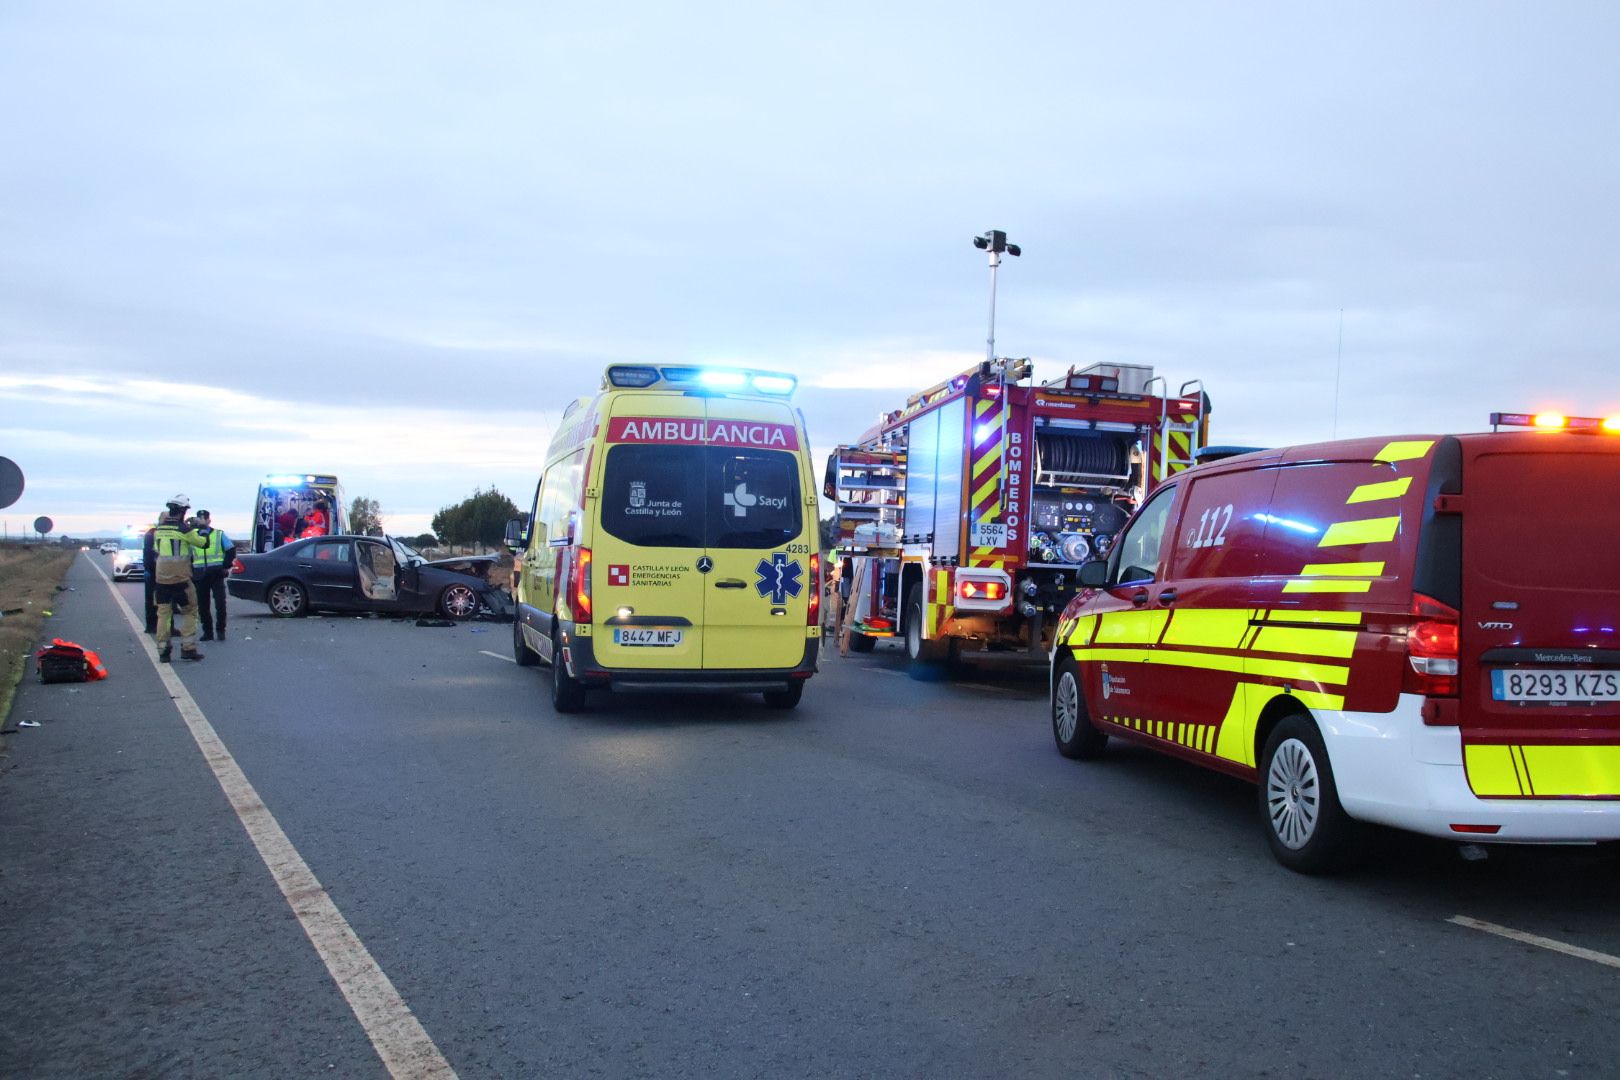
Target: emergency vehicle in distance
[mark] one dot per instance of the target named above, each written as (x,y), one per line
(671,544)
(1360,627)
(964,517)
(281,510)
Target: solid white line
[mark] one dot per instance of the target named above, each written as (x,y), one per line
(404,1046)
(496,655)
(1537,939)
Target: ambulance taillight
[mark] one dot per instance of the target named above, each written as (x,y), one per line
(813,617)
(1432,648)
(579,585)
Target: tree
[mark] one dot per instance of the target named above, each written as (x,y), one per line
(426,540)
(480,518)
(365,517)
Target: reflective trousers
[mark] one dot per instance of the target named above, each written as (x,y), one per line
(170,599)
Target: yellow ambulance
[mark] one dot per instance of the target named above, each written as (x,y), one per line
(672,542)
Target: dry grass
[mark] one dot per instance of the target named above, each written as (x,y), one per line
(29,577)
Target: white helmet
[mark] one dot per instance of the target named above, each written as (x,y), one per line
(182,501)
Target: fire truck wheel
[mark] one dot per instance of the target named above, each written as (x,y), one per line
(861,643)
(525,656)
(1299,806)
(928,658)
(567,695)
(1071,722)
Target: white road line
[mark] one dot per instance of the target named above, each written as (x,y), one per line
(1537,939)
(496,655)
(404,1046)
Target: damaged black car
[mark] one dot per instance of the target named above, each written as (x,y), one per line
(366,573)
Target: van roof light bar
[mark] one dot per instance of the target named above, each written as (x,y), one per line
(1555,421)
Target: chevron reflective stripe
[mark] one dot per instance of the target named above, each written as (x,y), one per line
(1181,444)
(1531,771)
(1407,450)
(939,603)
(1386,489)
(1364,531)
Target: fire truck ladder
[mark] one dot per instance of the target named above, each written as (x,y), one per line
(1177,454)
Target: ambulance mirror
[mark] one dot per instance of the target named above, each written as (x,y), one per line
(1094,575)
(517,532)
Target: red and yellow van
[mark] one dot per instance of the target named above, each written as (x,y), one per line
(1421,632)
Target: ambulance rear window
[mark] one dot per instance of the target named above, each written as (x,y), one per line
(701,497)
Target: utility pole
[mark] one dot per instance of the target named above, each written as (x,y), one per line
(994,242)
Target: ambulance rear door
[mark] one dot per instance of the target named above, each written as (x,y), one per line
(757,591)
(647,590)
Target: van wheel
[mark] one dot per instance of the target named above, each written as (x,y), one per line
(525,656)
(928,658)
(787,697)
(1299,806)
(861,643)
(1071,720)
(567,694)
(287,599)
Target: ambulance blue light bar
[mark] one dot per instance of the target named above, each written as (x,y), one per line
(741,380)
(1553,421)
(293,479)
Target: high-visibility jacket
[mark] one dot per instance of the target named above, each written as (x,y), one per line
(215,546)
(174,545)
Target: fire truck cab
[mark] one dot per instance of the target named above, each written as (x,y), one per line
(965,516)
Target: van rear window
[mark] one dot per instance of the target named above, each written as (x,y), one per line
(1510,537)
(701,497)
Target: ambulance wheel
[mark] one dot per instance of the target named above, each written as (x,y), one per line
(928,658)
(786,698)
(287,599)
(1308,829)
(525,656)
(861,643)
(567,694)
(1071,721)
(458,602)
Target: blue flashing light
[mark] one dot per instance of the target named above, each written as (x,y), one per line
(981,432)
(283,480)
(722,379)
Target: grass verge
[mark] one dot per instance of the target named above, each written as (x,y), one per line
(30,575)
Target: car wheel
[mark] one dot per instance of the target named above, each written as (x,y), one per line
(458,602)
(525,656)
(785,698)
(1299,804)
(928,658)
(567,694)
(287,599)
(861,643)
(1071,720)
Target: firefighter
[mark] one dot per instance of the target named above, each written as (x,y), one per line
(174,539)
(149,565)
(208,575)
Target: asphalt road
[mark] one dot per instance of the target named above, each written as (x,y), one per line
(896,879)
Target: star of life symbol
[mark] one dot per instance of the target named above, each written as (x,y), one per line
(778,578)
(638,493)
(741,500)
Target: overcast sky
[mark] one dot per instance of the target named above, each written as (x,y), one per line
(392,241)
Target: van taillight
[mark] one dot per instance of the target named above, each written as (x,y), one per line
(813,616)
(1431,648)
(579,588)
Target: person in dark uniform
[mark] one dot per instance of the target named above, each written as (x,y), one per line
(208,574)
(149,561)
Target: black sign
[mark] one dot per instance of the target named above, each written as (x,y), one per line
(11,482)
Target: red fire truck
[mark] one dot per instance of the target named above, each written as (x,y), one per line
(965,516)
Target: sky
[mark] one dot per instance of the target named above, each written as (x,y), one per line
(393,241)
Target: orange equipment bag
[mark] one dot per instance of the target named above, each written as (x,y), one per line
(63,661)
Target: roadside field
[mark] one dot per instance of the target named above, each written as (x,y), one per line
(30,575)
